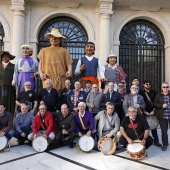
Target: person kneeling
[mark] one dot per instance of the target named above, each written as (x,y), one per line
(23,123)
(42,124)
(66,126)
(135,127)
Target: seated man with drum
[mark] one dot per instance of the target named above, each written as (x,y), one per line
(84,121)
(108,125)
(23,124)
(42,124)
(108,122)
(134,128)
(66,126)
(6,125)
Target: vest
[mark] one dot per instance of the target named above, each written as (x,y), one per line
(110,74)
(90,68)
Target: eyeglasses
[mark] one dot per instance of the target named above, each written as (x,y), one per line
(148,84)
(27,85)
(134,88)
(165,87)
(120,86)
(42,109)
(94,87)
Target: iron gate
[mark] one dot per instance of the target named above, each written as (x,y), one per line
(141,52)
(1,37)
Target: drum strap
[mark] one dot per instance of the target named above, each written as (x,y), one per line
(138,137)
(2,130)
(148,97)
(82,123)
(109,123)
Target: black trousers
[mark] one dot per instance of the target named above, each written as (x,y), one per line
(164,130)
(26,129)
(61,137)
(149,141)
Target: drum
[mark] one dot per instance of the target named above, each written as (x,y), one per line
(152,121)
(136,151)
(86,143)
(40,144)
(107,146)
(3,142)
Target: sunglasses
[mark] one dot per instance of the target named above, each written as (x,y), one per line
(165,87)
(148,84)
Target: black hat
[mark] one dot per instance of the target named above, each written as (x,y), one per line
(146,81)
(7,53)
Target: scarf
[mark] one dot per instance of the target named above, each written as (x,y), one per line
(28,59)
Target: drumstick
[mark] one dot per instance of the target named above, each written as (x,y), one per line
(140,111)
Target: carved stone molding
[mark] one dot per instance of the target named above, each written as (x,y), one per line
(63,3)
(18,5)
(106,6)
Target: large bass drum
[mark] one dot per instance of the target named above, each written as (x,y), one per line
(136,151)
(152,121)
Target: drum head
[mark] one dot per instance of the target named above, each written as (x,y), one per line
(107,146)
(3,142)
(86,143)
(40,144)
(152,121)
(135,147)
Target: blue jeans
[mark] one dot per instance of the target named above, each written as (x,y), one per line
(10,134)
(26,129)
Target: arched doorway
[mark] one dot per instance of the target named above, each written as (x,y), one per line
(76,36)
(2,34)
(141,52)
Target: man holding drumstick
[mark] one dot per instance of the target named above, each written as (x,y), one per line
(135,127)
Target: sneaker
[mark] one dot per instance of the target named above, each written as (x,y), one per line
(164,147)
(157,144)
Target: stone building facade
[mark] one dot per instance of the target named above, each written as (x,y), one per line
(137,31)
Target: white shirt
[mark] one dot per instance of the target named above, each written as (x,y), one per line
(100,67)
(106,125)
(82,115)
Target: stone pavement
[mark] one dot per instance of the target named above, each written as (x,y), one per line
(24,157)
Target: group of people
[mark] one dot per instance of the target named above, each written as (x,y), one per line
(82,109)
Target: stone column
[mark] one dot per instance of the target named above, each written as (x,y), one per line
(105,39)
(18,32)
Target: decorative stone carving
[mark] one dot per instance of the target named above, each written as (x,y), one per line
(18,5)
(106,6)
(63,3)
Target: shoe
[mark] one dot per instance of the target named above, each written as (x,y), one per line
(71,146)
(21,142)
(164,147)
(117,149)
(157,144)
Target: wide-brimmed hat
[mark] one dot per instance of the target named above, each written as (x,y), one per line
(7,53)
(56,33)
(27,46)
